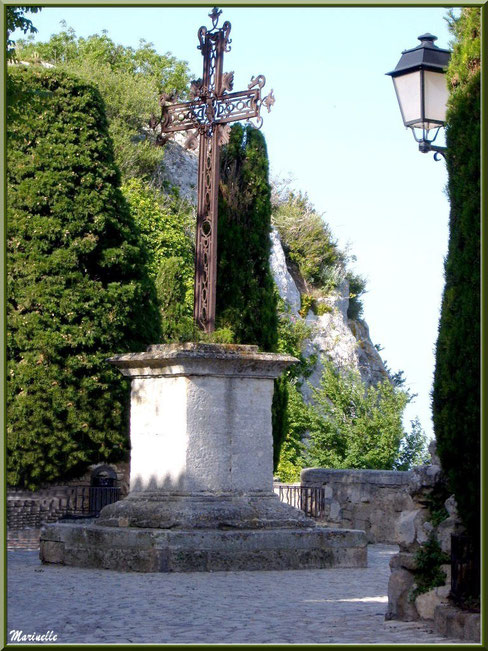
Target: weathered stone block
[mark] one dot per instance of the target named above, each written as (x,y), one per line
(451,621)
(404,560)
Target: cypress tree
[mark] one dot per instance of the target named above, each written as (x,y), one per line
(77,286)
(456,389)
(246,296)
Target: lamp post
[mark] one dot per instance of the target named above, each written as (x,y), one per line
(420,85)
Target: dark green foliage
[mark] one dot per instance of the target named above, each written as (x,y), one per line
(166,228)
(357,287)
(292,450)
(176,318)
(456,389)
(349,425)
(78,291)
(436,502)
(279,417)
(246,297)
(428,572)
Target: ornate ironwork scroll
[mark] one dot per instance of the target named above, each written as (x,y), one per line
(211,107)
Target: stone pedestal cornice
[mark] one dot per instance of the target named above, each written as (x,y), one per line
(188,359)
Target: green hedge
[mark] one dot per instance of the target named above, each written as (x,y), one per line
(77,286)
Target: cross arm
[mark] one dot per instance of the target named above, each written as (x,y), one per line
(237,106)
(183,116)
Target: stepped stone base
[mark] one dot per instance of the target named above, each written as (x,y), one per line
(158,550)
(201,479)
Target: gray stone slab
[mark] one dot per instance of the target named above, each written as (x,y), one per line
(156,550)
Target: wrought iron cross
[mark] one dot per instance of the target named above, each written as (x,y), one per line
(211,107)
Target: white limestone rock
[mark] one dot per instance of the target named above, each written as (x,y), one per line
(400,606)
(285,284)
(179,168)
(427,602)
(344,341)
(445,529)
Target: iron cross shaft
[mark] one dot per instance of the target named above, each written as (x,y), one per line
(207,115)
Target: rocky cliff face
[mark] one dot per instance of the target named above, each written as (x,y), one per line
(179,168)
(344,341)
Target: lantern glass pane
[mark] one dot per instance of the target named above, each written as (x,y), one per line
(408,93)
(436,95)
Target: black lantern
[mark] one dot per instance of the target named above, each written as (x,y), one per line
(421,89)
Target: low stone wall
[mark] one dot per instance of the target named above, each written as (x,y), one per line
(371,500)
(27,510)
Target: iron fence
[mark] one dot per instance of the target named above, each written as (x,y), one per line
(310,499)
(88,501)
(465,570)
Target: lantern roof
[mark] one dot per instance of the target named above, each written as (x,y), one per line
(426,56)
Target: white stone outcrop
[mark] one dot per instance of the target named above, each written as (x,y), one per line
(285,284)
(179,168)
(344,341)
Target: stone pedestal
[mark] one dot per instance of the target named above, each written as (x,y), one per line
(201,489)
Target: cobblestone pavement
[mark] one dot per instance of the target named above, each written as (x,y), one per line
(299,606)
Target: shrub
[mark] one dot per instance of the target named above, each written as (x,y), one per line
(129,80)
(428,572)
(352,425)
(166,227)
(308,241)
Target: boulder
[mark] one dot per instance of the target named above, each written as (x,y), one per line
(427,602)
(445,529)
(409,526)
(399,589)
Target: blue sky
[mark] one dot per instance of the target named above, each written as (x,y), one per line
(336,131)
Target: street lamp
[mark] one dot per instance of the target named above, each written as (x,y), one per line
(420,85)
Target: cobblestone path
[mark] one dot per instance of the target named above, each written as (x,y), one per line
(295,607)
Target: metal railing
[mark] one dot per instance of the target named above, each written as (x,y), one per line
(311,500)
(465,570)
(88,501)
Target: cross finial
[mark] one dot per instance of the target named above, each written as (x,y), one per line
(214,15)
